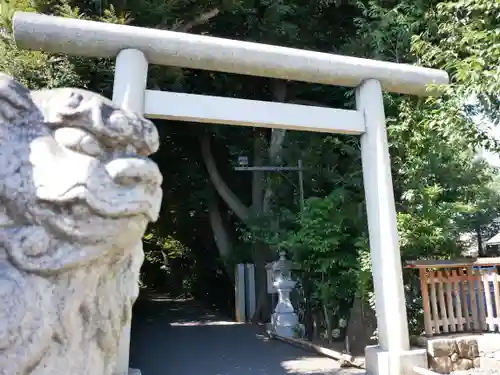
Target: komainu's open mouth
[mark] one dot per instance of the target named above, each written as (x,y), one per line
(80,202)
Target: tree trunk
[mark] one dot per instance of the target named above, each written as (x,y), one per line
(260,258)
(328,323)
(233,202)
(221,237)
(262,253)
(480,250)
(308,311)
(317,324)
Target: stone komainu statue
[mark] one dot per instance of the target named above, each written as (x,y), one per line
(76,194)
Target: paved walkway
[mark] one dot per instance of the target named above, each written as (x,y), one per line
(176,337)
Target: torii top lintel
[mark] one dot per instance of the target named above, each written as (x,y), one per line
(98,39)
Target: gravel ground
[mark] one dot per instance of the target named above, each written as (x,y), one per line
(176,337)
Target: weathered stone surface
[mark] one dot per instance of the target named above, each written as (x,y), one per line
(442,365)
(477,362)
(76,194)
(468,348)
(463,364)
(442,348)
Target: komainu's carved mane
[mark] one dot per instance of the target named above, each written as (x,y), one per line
(76,194)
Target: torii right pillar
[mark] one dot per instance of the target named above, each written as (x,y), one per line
(392,355)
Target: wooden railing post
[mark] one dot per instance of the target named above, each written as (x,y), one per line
(472,298)
(480,293)
(424,287)
(458,300)
(466,304)
(490,326)
(441,301)
(449,300)
(496,291)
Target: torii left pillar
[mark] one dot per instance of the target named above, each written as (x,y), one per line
(131,75)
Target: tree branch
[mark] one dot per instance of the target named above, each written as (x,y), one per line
(201,19)
(233,202)
(221,236)
(279,90)
(259,144)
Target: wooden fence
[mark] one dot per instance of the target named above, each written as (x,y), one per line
(461,296)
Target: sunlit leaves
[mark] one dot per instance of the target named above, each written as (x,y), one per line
(326,243)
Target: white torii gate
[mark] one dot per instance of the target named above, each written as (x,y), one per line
(135,48)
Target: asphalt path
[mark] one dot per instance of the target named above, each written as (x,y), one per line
(179,337)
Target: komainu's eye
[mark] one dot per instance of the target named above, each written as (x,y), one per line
(79,140)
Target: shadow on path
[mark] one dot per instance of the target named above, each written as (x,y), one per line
(178,337)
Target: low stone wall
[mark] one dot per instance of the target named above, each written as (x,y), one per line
(451,354)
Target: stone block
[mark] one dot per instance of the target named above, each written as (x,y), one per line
(443,365)
(468,348)
(442,347)
(463,364)
(477,362)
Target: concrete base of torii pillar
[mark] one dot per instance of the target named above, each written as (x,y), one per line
(383,362)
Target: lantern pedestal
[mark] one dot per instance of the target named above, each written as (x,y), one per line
(284,321)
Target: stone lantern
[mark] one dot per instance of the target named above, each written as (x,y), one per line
(284,320)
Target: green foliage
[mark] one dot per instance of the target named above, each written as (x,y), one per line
(175,261)
(326,245)
(462,37)
(41,70)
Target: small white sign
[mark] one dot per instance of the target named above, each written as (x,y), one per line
(270,279)
(243,161)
